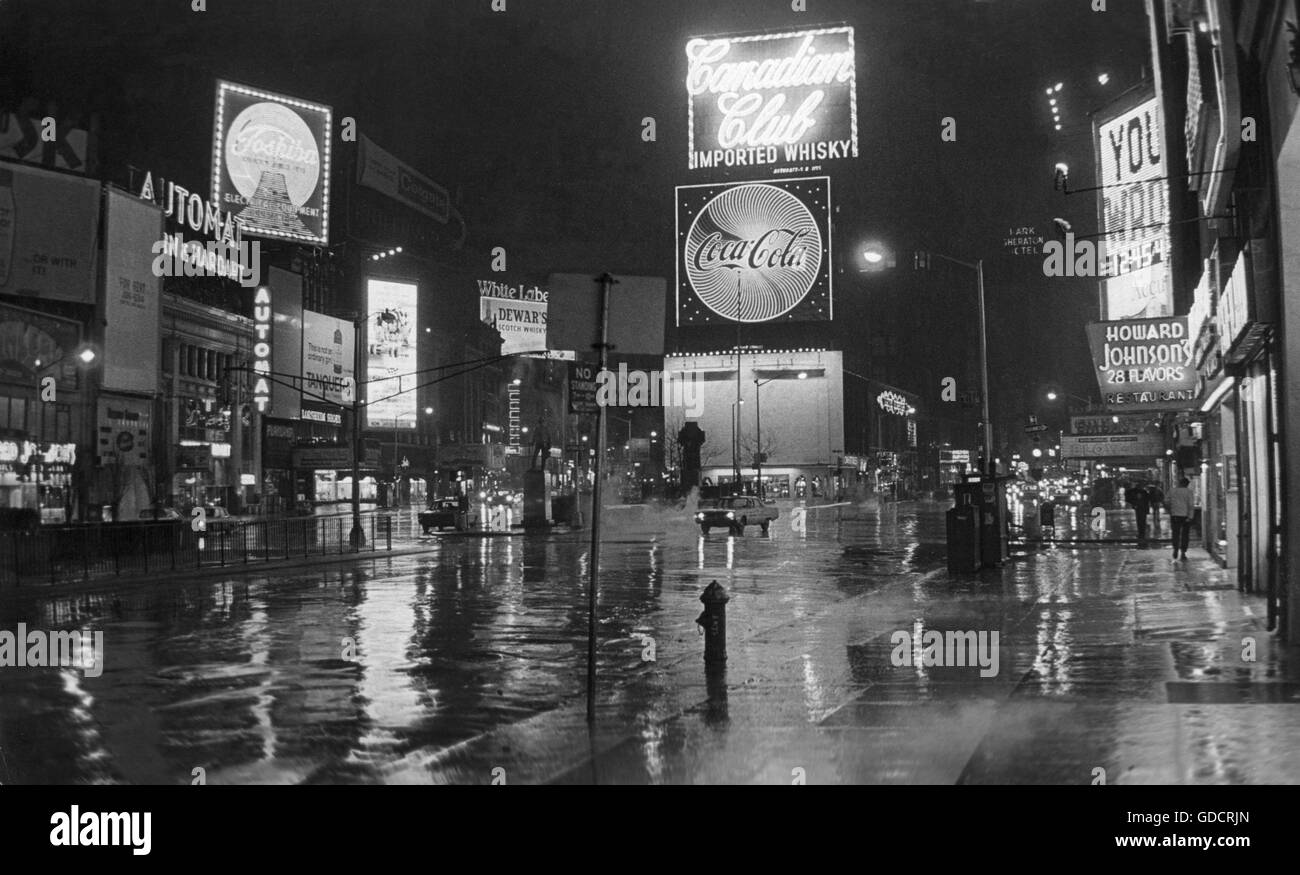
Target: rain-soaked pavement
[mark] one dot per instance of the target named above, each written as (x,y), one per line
(466,664)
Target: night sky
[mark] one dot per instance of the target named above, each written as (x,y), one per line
(532,118)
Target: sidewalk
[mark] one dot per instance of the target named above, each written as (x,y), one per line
(1116,664)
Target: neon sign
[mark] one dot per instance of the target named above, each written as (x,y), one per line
(772,98)
(262,347)
(892,402)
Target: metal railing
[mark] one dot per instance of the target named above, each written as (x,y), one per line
(67,554)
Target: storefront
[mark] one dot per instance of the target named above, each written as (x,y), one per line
(37,477)
(324,473)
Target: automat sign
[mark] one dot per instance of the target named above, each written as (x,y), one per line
(771,98)
(1144,364)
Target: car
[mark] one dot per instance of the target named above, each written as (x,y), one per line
(442,513)
(161,514)
(735,512)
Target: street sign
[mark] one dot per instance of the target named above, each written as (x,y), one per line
(1030,429)
(554,355)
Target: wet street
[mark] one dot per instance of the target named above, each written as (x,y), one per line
(466,663)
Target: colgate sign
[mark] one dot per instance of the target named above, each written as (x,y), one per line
(772,98)
(754,252)
(271,163)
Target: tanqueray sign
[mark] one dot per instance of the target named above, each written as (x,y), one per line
(771,98)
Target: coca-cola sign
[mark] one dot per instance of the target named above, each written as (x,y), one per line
(271,158)
(754,251)
(772,98)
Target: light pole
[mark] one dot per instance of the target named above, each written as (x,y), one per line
(735,437)
(922,261)
(357,537)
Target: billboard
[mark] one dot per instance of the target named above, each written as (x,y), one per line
(378,170)
(518,312)
(636,313)
(131,294)
(1144,364)
(48,223)
(771,98)
(754,251)
(271,163)
(391,339)
(286,342)
(328,366)
(1134,207)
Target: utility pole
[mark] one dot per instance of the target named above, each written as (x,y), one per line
(357,537)
(593,567)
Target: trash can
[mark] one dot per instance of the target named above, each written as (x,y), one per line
(963,539)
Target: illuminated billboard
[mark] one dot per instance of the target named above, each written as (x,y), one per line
(271,163)
(391,339)
(328,357)
(771,98)
(754,252)
(517,311)
(1134,207)
(1144,364)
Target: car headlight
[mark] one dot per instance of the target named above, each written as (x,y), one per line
(699,516)
(730,515)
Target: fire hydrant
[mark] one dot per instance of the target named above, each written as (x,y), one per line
(713,621)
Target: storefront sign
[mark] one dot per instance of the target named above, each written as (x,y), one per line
(262,348)
(1112,424)
(1134,217)
(1144,364)
(378,170)
(271,163)
(1023,241)
(954,457)
(391,339)
(772,98)
(48,225)
(31,451)
(754,252)
(1138,446)
(517,311)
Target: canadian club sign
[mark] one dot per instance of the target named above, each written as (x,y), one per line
(754,252)
(771,98)
(1144,364)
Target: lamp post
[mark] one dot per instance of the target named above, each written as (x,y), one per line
(735,439)
(357,536)
(922,261)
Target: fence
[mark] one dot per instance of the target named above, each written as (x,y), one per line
(70,553)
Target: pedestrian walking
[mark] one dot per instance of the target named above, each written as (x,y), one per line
(1181,507)
(1156,497)
(1137,496)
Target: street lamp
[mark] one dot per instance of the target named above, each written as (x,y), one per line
(922,259)
(735,444)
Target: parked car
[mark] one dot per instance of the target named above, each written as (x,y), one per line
(162,514)
(734,513)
